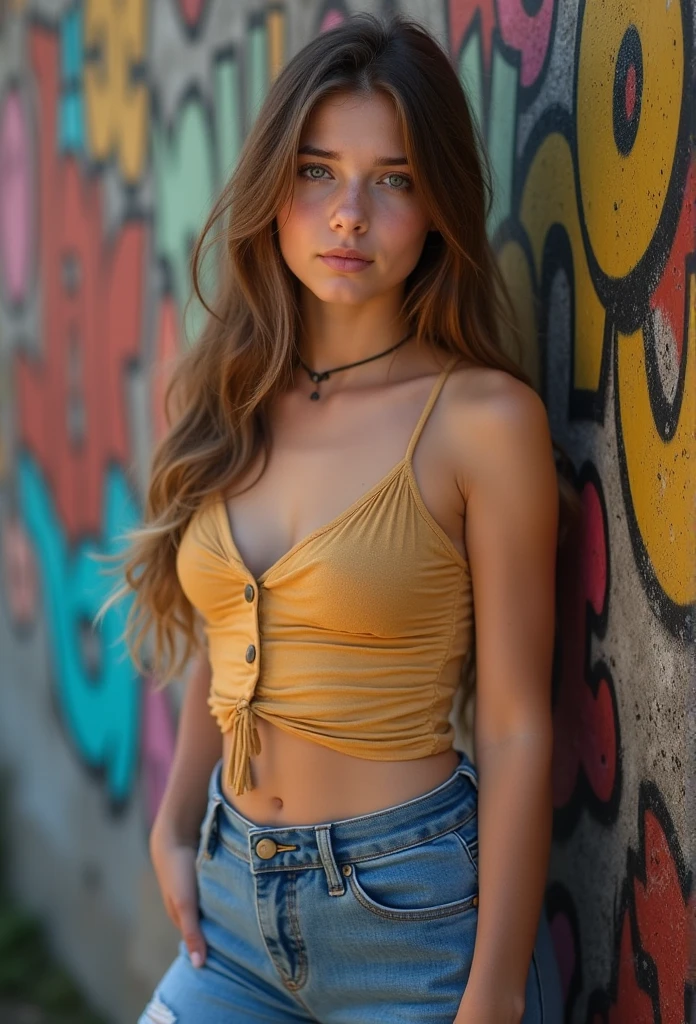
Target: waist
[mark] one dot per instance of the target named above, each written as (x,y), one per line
(296,778)
(449,805)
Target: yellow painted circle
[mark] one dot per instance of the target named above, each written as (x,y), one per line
(622,196)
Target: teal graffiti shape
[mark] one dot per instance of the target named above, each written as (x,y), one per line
(102,710)
(71,114)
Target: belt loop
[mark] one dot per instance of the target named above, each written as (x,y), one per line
(336,886)
(209,829)
(468,768)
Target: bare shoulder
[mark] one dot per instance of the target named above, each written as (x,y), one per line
(489,392)
(495,424)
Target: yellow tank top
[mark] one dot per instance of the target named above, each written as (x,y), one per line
(353,639)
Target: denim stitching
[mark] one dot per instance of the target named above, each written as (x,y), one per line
(299,942)
(284,978)
(431,914)
(235,853)
(411,846)
(468,852)
(334,880)
(312,865)
(384,812)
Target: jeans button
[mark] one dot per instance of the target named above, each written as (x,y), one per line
(266,848)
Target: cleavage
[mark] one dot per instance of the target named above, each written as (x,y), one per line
(317,487)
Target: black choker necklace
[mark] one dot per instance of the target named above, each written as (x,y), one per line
(317,377)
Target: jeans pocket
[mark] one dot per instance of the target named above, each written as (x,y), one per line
(467,834)
(435,878)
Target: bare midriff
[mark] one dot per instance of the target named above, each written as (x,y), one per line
(299,782)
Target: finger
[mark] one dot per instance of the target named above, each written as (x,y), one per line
(192,934)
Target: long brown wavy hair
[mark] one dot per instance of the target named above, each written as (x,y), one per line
(218,395)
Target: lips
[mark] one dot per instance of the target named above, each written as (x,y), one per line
(347,254)
(349,260)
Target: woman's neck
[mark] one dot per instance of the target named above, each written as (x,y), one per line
(335,334)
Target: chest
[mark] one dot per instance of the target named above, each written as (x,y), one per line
(320,473)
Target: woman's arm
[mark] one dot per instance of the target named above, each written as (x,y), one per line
(174,835)
(511,538)
(198,747)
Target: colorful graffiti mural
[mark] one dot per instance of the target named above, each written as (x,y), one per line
(110,155)
(597,185)
(79,433)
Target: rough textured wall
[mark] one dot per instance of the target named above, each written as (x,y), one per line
(118,121)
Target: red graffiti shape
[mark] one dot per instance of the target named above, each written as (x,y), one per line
(191,11)
(669,295)
(632,1004)
(662,917)
(72,399)
(584,727)
(462,14)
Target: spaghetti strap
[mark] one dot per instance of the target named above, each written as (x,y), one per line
(436,389)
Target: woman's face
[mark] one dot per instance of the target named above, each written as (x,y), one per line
(353,190)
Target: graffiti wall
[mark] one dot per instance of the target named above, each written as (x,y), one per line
(119,120)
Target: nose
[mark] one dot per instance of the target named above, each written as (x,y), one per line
(350,213)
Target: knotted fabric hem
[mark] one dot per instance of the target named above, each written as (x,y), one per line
(239,719)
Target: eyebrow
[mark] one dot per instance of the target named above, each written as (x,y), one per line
(331,154)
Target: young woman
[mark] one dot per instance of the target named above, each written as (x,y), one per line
(357,491)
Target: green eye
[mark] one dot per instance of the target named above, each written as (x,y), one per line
(309,168)
(406,182)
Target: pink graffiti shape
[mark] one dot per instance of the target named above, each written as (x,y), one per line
(158,745)
(528,33)
(663,921)
(191,11)
(564,946)
(20,575)
(584,726)
(15,197)
(330,20)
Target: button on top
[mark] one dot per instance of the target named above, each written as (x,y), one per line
(250,653)
(266,848)
(249,592)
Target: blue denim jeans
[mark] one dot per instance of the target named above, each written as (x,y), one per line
(360,921)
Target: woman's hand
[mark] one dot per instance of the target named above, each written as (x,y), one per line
(174,861)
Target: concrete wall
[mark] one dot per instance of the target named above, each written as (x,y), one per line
(118,120)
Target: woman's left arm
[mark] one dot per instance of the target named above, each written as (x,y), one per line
(511,528)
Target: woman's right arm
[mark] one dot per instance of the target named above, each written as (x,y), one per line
(198,747)
(174,835)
